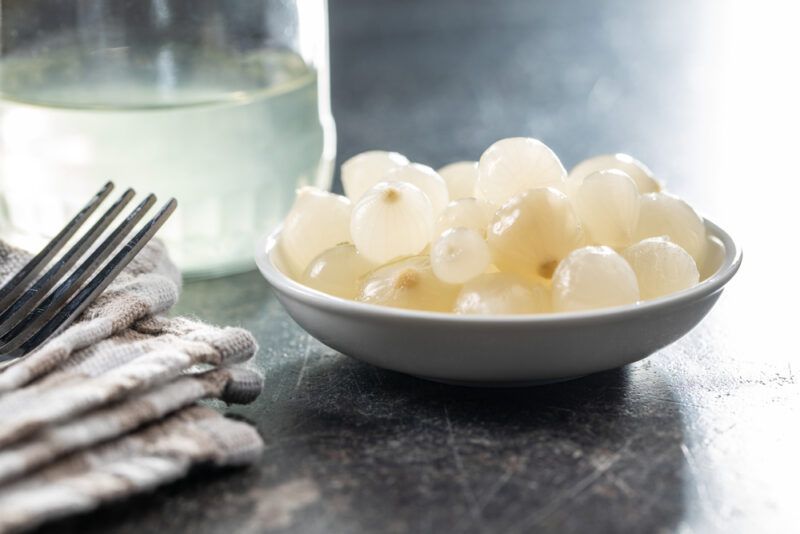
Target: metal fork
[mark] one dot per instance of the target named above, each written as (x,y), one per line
(31,311)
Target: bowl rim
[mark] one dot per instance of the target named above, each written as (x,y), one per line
(265,246)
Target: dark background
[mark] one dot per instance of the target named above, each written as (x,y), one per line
(441,80)
(701,437)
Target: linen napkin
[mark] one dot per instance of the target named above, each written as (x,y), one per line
(107,409)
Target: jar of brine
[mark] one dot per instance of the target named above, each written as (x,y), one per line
(222,104)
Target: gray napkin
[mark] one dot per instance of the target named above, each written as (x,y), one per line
(108,408)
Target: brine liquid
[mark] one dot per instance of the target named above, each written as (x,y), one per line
(229,136)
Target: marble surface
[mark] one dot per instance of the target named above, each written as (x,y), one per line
(701,437)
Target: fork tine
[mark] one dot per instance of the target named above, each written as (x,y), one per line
(14,287)
(24,304)
(98,284)
(55,300)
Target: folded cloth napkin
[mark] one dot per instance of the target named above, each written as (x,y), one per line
(107,408)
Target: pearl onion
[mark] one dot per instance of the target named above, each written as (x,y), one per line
(466,213)
(663,214)
(317,221)
(639,173)
(460,178)
(511,166)
(458,255)
(661,267)
(533,231)
(426,179)
(392,219)
(593,277)
(408,283)
(607,203)
(337,271)
(501,293)
(363,171)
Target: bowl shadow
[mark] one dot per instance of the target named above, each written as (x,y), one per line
(389,452)
(394,452)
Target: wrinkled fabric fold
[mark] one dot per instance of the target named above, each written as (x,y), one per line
(107,408)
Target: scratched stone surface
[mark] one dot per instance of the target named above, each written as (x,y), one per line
(700,437)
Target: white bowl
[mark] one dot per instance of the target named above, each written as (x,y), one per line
(499,350)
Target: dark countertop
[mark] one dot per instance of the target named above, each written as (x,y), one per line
(701,437)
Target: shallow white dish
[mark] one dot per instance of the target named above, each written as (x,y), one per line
(498,350)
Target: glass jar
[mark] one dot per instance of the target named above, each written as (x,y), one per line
(222,104)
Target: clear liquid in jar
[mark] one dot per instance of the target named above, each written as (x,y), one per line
(230,135)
